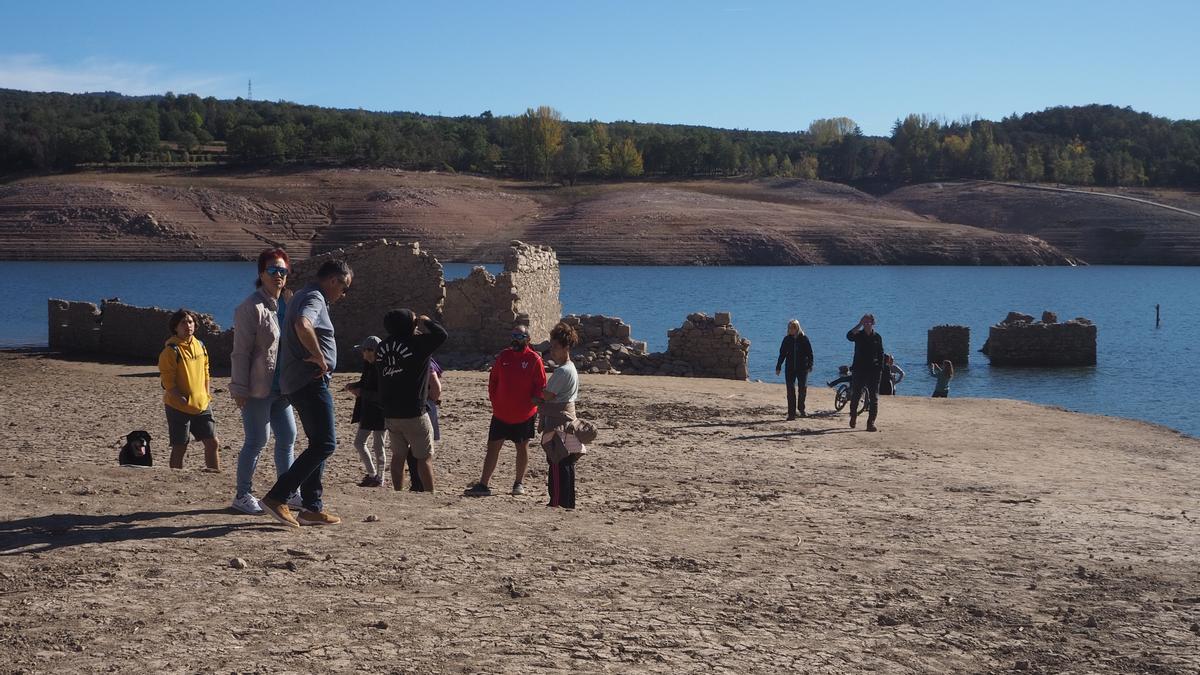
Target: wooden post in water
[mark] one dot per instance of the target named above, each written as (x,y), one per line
(1157,319)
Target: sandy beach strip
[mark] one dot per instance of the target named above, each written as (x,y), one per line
(968,535)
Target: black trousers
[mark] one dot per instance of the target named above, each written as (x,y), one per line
(560,482)
(797,390)
(865,384)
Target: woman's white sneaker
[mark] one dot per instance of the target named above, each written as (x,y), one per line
(248,503)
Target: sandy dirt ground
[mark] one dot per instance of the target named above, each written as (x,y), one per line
(711,535)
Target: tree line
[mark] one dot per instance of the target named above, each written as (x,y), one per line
(1086,145)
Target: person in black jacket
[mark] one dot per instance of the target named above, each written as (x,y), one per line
(867,367)
(368,414)
(403,389)
(796,354)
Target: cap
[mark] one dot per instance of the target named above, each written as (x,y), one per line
(370,342)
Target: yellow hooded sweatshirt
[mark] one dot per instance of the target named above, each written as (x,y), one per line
(183,364)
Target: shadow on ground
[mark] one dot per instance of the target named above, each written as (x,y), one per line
(47,533)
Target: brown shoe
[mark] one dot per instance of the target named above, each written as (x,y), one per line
(317,518)
(279,511)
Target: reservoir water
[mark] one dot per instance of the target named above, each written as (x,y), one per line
(1143,372)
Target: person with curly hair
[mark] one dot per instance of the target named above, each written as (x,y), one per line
(556,408)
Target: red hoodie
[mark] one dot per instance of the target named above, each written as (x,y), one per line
(516,378)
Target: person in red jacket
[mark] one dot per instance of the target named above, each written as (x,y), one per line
(517,378)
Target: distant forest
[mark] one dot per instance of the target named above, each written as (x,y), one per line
(1087,145)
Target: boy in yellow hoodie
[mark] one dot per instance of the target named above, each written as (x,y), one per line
(187,391)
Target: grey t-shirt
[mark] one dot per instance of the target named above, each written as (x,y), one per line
(564,383)
(295,372)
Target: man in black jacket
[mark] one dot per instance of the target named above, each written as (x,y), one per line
(796,353)
(867,366)
(403,388)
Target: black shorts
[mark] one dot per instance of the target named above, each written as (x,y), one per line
(179,423)
(517,433)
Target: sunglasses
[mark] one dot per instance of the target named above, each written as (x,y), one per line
(277,271)
(520,336)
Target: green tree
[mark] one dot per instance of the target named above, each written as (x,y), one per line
(626,160)
(828,131)
(786,168)
(1033,168)
(915,140)
(571,161)
(540,139)
(807,167)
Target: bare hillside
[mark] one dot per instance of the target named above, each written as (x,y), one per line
(1095,226)
(195,216)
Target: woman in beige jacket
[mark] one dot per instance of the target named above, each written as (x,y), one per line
(253,380)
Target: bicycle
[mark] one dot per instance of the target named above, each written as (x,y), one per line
(841,396)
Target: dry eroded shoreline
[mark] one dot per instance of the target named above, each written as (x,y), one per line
(969,535)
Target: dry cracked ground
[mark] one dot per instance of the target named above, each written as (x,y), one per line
(711,535)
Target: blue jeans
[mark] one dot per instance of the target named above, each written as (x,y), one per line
(314,405)
(260,415)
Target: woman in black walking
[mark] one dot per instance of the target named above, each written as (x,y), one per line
(796,360)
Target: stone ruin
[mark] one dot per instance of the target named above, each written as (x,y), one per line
(386,275)
(701,347)
(947,342)
(1019,340)
(711,345)
(478,312)
(481,309)
(606,345)
(124,331)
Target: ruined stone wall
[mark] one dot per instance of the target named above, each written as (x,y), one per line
(711,346)
(949,342)
(534,275)
(387,275)
(74,326)
(606,345)
(128,332)
(479,313)
(1021,341)
(481,309)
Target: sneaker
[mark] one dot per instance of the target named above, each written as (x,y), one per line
(853,420)
(368,481)
(518,490)
(279,511)
(247,503)
(478,490)
(871,427)
(791,417)
(317,518)
(295,501)
(377,481)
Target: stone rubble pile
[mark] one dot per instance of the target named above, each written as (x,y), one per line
(606,345)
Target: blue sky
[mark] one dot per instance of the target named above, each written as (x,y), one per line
(732,63)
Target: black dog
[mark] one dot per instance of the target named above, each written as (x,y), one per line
(136,451)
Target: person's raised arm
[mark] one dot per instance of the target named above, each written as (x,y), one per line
(899,371)
(433,334)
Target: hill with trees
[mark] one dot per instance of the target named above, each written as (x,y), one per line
(1089,145)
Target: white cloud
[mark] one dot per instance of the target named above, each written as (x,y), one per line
(32,72)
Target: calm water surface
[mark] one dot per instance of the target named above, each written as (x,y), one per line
(1141,372)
